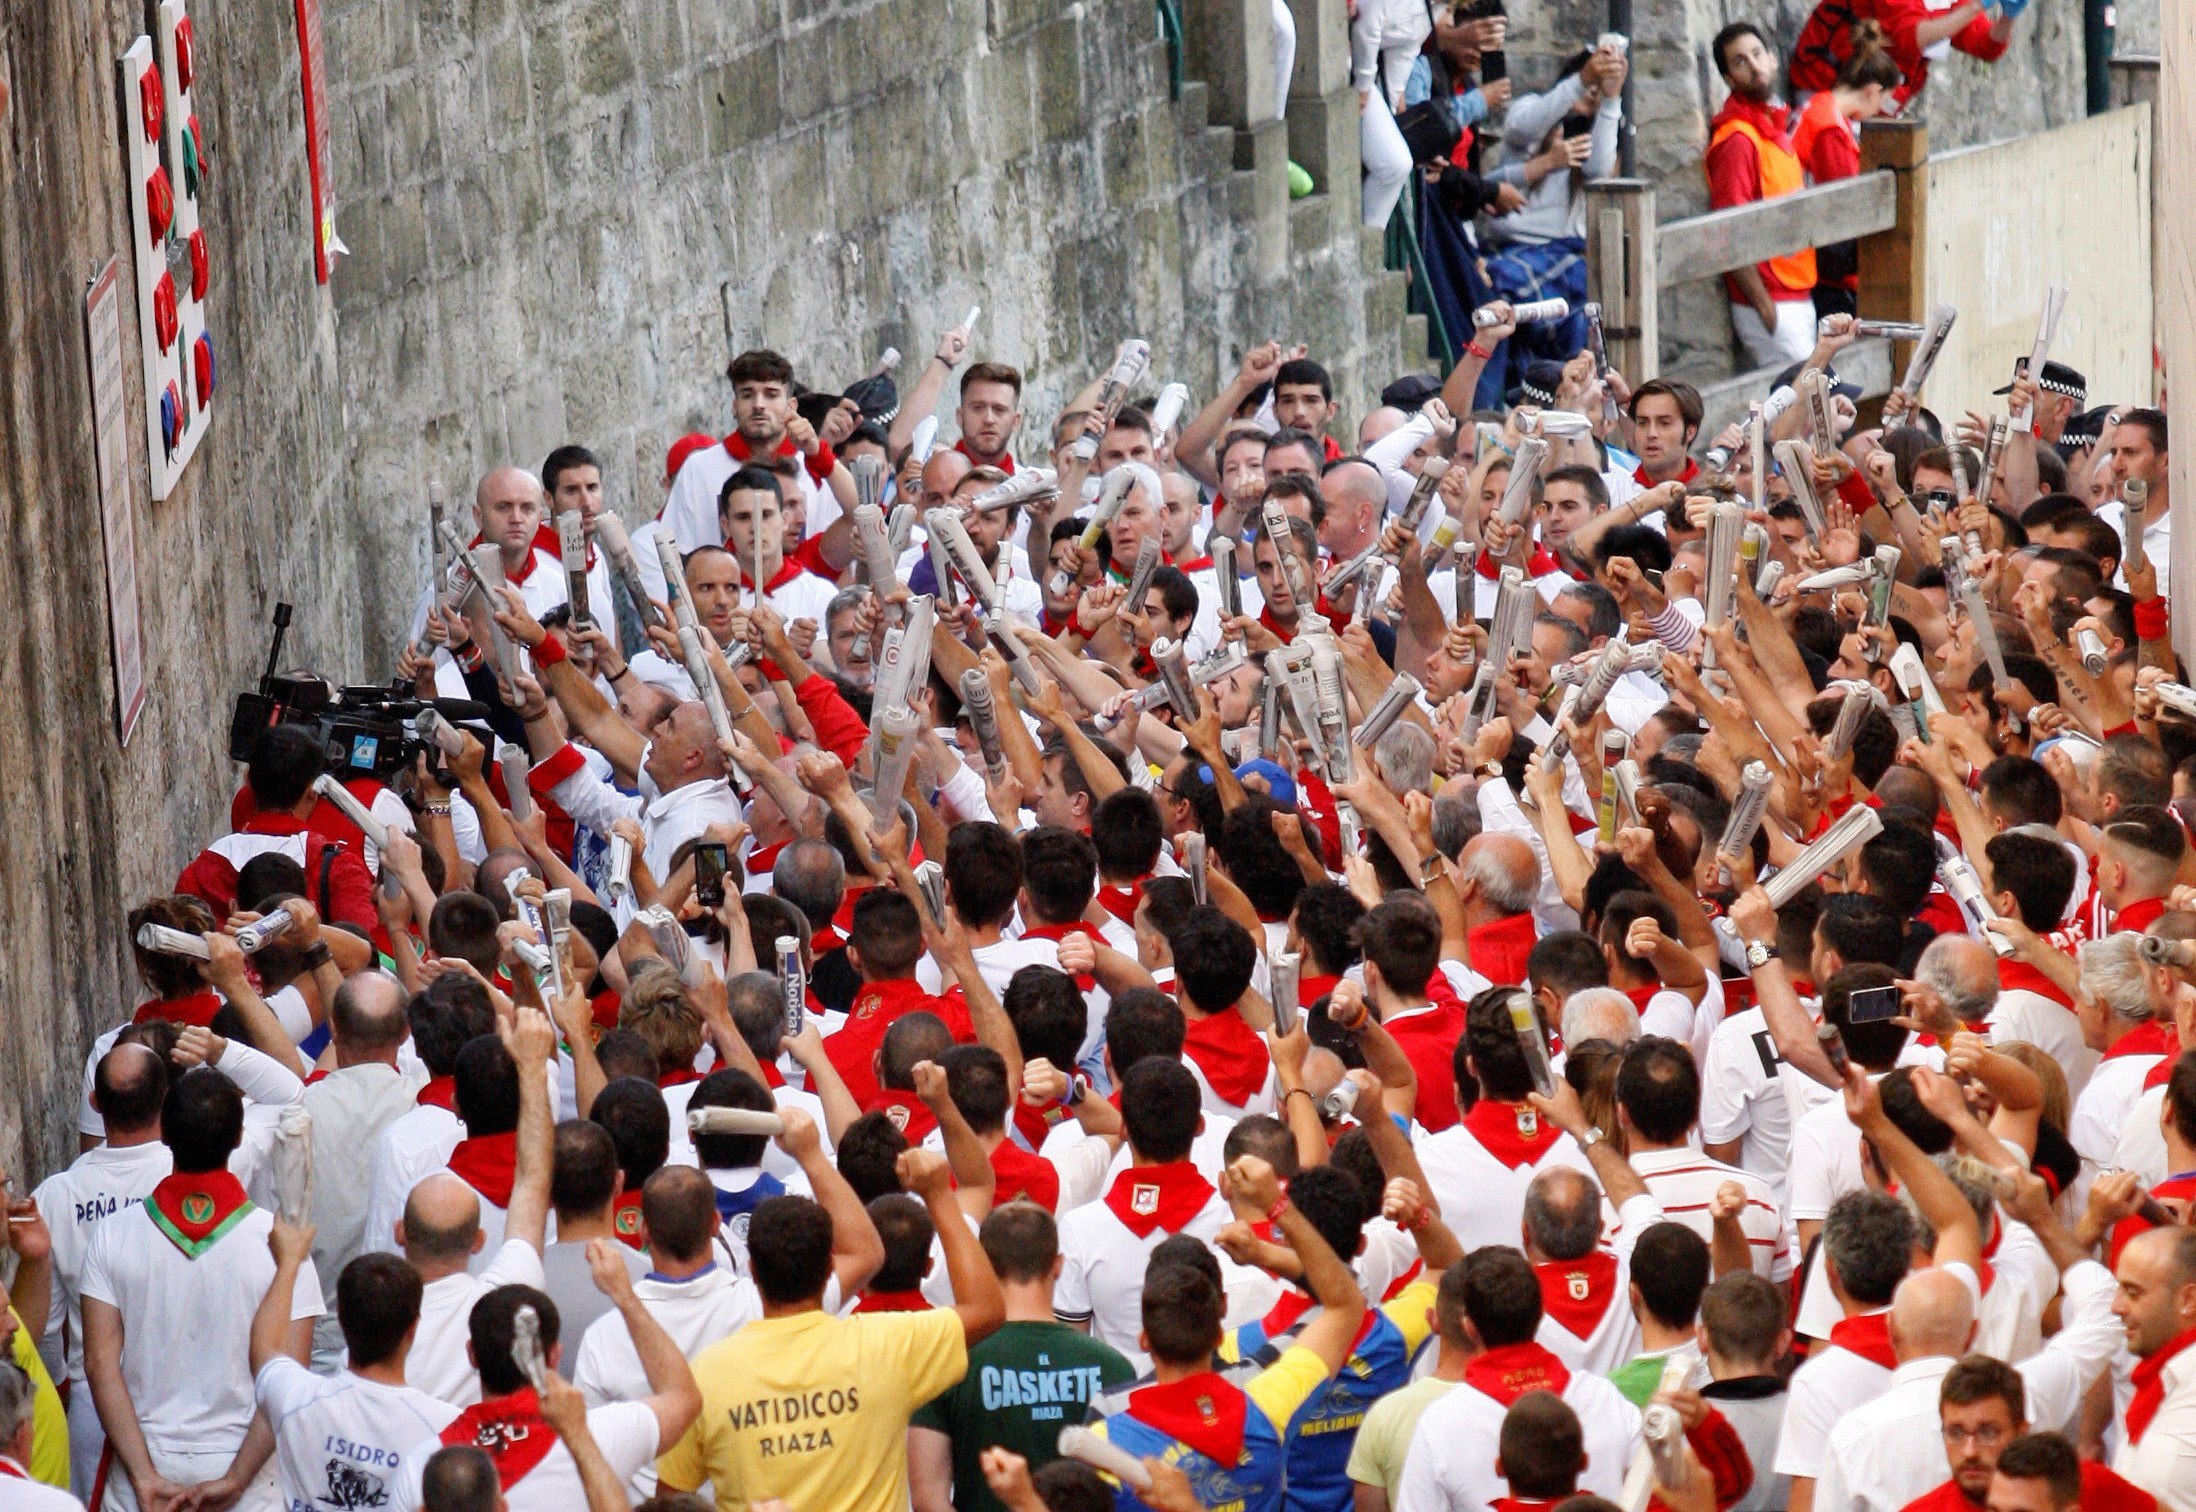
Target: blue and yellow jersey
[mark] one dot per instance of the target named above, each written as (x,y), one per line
(1228,1440)
(1319,1437)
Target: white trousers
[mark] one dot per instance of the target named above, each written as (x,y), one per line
(1386,156)
(1790,342)
(262,1495)
(1284,56)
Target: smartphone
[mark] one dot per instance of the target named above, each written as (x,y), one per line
(1494,65)
(710,864)
(1575,126)
(1872,1005)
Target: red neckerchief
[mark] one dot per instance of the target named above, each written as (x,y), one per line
(2019,976)
(2147,1038)
(11,1470)
(1196,564)
(740,450)
(1004,461)
(1497,951)
(1311,989)
(772,1077)
(1869,1336)
(1017,1173)
(2179,1188)
(1985,1272)
(509,1429)
(1692,471)
(1577,1293)
(1395,1287)
(1120,899)
(625,1218)
(1509,1372)
(2139,915)
(1286,1311)
(1033,1126)
(196,1011)
(439,1092)
(1527,1503)
(892,1302)
(2160,1074)
(194,1209)
(905,1112)
(1538,565)
(1152,1197)
(522,573)
(1059,932)
(892,999)
(1230,1053)
(603,1008)
(2150,1388)
(1288,637)
(547,539)
(489,1165)
(677,1078)
(826,940)
(787,571)
(1203,1411)
(1511,1132)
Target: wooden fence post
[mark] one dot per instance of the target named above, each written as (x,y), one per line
(1893,275)
(1622,274)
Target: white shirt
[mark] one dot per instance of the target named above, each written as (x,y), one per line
(413,1147)
(624,1431)
(1740,1097)
(695,1312)
(438,1364)
(2106,1105)
(996,963)
(1684,1181)
(691,510)
(102,1182)
(2051,1027)
(1451,1463)
(1889,1448)
(1832,1383)
(2157,537)
(1103,1280)
(186,1324)
(667,820)
(340,1440)
(2164,1462)
(1482,1199)
(1613,1336)
(2142,1145)
(22,1494)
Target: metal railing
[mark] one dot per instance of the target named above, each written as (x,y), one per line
(1405,256)
(1170,32)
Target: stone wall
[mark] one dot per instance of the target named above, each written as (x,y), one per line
(566,217)
(93,827)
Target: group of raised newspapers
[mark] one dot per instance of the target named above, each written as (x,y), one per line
(1537,959)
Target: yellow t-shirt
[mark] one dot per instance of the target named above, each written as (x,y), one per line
(813,1409)
(49,1458)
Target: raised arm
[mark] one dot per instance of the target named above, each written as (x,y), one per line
(532,1042)
(857,1253)
(1251,1185)
(976,1295)
(673,1396)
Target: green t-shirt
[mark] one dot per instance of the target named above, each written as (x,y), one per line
(1024,1384)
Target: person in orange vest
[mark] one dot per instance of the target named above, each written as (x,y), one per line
(1750,158)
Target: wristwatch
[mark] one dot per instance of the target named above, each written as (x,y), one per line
(1591,1137)
(1432,868)
(1759,954)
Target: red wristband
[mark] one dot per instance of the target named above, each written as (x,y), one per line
(550,651)
(1484,354)
(2151,619)
(1075,625)
(1273,1214)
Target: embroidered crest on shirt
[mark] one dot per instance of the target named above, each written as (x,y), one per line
(896,1116)
(1145,1200)
(1578,1286)
(1528,1122)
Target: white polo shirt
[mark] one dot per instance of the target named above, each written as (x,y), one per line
(695,1312)
(1888,1449)
(186,1324)
(1684,1181)
(1483,1198)
(1741,1097)
(438,1364)
(340,1440)
(1103,1280)
(1451,1462)
(413,1147)
(2051,1027)
(624,1431)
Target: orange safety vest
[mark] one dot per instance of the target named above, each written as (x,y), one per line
(1781,174)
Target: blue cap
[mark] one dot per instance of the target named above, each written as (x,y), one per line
(1279,783)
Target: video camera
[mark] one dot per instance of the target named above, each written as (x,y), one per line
(364,731)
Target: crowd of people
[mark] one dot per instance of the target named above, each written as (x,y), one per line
(1533,959)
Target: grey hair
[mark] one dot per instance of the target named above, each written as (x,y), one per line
(1601,1013)
(1977,1183)
(17,1397)
(845,601)
(1406,758)
(1563,1230)
(2112,974)
(1455,821)
(1939,973)
(1499,886)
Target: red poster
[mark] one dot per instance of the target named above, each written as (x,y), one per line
(313,71)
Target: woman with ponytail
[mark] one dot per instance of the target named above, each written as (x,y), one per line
(1826,140)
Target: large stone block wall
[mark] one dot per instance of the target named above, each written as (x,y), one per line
(566,217)
(90,827)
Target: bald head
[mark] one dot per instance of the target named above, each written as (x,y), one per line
(1503,870)
(441,1223)
(1361,482)
(1932,1315)
(508,507)
(1563,1213)
(1385,420)
(128,1087)
(943,473)
(366,1017)
(1963,971)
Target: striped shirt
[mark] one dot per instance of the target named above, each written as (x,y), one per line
(1684,1181)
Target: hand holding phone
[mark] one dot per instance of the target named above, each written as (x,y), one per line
(711,861)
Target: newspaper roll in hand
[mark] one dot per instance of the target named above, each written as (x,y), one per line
(572,551)
(1112,495)
(515,764)
(1394,699)
(2134,500)
(793,979)
(1960,880)
(1928,349)
(2047,327)
(1129,367)
(1172,661)
(257,935)
(1858,697)
(293,1165)
(618,547)
(946,529)
(1526,1024)
(161,940)
(1745,819)
(1225,583)
(1027,483)
(1859,825)
(376,833)
(733,1121)
(1608,816)
(1890,330)
(1168,408)
(674,581)
(1103,1454)
(1193,862)
(897,730)
(526,1351)
(1517,494)
(1139,583)
(983,717)
(488,567)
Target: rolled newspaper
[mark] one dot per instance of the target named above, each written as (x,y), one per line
(733,1121)
(1274,520)
(488,566)
(793,979)
(1129,367)
(1859,825)
(877,557)
(1168,408)
(538,960)
(1478,701)
(923,439)
(292,1165)
(1225,583)
(1112,495)
(2092,648)
(1915,682)
(1303,703)
(1660,1458)
(2001,431)
(897,730)
(1172,660)
(2179,697)
(255,936)
(556,913)
(2134,499)
(900,527)
(1529,313)
(429,724)
(1830,580)
(1628,781)
(1822,426)
(1585,701)
(1879,597)
(903,661)
(1517,494)
(1757,448)
(1193,862)
(1339,1102)
(1103,1454)
(1928,349)
(1139,583)
(1526,1024)
(1269,715)
(1422,493)
(674,581)
(670,939)
(1286,970)
(526,1350)
(1833,1046)
(1726,524)
(1963,487)
(705,681)
(617,546)
(2156,950)
(1027,483)
(930,880)
(1511,627)
(983,718)
(1744,821)
(161,940)
(2047,327)
(946,529)
(1960,880)
(1890,330)
(515,764)
(1858,697)
(572,551)
(344,799)
(1334,713)
(1399,695)
(1608,815)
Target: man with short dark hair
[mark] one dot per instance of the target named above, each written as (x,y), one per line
(583,1199)
(765,426)
(2135,447)
(1750,159)
(1024,1383)
(1744,1336)
(859,1379)
(1658,1106)
(285,760)
(1982,1407)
